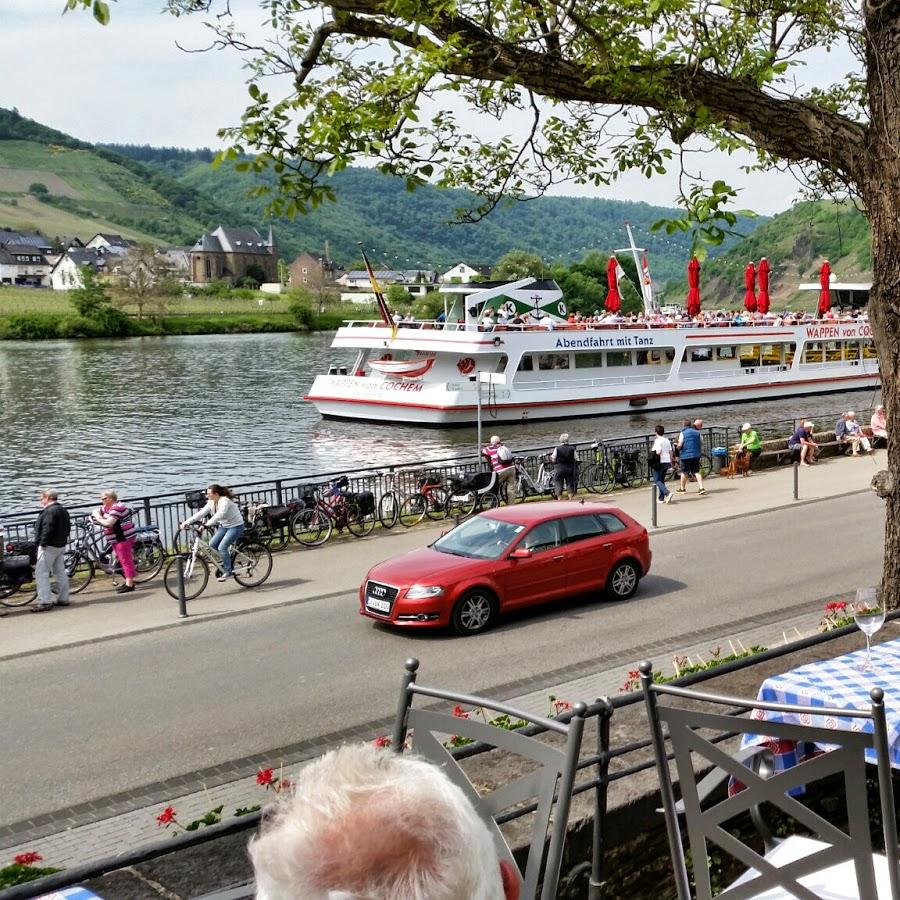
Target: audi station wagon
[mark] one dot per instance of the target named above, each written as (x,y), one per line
(506,559)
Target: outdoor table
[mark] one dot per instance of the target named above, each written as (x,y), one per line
(837,682)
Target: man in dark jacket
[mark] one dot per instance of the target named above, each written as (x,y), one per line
(51,534)
(564,460)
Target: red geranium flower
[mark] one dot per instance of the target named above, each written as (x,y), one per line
(27,859)
(166,816)
(561,706)
(383,741)
(265,776)
(459,712)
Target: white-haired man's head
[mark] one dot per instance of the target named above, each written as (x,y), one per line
(368,824)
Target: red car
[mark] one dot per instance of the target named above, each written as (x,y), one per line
(506,559)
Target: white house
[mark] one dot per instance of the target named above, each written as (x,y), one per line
(66,273)
(23,264)
(464,274)
(110,243)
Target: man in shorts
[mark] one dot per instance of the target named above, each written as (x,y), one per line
(689,449)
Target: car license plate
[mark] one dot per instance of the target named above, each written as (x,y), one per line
(382,606)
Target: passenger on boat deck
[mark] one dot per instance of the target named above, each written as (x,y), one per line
(879,423)
(487,320)
(802,445)
(547,322)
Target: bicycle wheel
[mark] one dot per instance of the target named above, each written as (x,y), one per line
(436,507)
(80,570)
(412,511)
(631,474)
(461,504)
(149,557)
(311,527)
(196,576)
(359,524)
(252,564)
(12,595)
(388,509)
(488,500)
(705,464)
(591,477)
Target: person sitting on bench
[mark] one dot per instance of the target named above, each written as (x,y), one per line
(879,424)
(750,442)
(802,445)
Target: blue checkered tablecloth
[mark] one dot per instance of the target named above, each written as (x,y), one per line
(840,683)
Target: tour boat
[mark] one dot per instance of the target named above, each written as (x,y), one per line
(440,373)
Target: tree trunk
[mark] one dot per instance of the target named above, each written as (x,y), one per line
(880,189)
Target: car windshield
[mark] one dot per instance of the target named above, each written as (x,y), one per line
(479,538)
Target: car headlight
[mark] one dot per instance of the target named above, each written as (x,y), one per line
(421,591)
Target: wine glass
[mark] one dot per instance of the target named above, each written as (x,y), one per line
(868,613)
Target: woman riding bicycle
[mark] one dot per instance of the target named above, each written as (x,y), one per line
(224,512)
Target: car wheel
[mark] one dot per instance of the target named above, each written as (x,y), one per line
(474,612)
(623,580)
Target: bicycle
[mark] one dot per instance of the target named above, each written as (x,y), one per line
(429,500)
(612,466)
(472,493)
(334,508)
(271,525)
(90,553)
(251,564)
(526,486)
(674,472)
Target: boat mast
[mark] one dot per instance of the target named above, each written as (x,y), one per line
(646,290)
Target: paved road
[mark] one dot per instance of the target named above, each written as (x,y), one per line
(84,722)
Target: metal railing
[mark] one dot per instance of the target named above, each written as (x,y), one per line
(597,763)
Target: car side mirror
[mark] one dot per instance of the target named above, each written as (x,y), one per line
(521,553)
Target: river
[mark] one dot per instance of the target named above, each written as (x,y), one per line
(151,415)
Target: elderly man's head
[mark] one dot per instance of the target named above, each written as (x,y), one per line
(368,824)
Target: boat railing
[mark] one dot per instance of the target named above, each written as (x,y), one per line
(475,327)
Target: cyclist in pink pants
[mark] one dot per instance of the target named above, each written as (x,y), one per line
(118,528)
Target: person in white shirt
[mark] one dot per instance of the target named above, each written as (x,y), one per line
(548,323)
(224,513)
(660,462)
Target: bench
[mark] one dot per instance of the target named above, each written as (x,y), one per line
(777,452)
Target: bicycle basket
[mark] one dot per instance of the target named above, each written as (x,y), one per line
(22,548)
(339,485)
(195,499)
(276,516)
(365,502)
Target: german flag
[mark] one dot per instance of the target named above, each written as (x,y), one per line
(379,296)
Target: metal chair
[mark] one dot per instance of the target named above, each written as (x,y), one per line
(840,863)
(555,774)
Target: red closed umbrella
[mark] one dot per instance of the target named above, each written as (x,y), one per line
(825,294)
(750,284)
(693,297)
(613,300)
(762,302)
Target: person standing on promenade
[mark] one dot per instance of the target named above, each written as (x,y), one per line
(118,529)
(501,461)
(224,512)
(661,459)
(51,534)
(564,461)
(689,454)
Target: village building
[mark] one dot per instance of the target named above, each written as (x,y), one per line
(228,254)
(462,273)
(66,272)
(111,243)
(23,264)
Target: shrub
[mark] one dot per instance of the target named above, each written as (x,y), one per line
(301,310)
(247,281)
(36,187)
(30,327)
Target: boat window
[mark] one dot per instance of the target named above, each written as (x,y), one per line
(726,352)
(749,355)
(789,351)
(670,354)
(699,354)
(547,361)
(851,350)
(771,354)
(832,351)
(618,358)
(526,363)
(588,359)
(868,350)
(561,361)
(655,357)
(812,352)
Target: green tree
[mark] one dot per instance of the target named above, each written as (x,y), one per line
(519,264)
(92,296)
(687,74)
(397,296)
(37,188)
(144,282)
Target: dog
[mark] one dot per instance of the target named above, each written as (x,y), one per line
(738,464)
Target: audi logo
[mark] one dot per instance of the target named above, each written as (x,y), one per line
(378,591)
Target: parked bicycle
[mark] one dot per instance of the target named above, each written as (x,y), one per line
(613,466)
(472,493)
(271,525)
(429,500)
(89,553)
(539,486)
(251,563)
(334,507)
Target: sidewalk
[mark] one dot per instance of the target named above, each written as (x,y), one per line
(332,571)
(337,568)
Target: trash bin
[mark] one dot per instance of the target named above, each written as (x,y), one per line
(719,458)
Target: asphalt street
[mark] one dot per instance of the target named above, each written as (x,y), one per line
(87,721)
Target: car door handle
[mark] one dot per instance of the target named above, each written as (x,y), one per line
(607,546)
(557,558)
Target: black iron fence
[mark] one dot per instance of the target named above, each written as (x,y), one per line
(167,510)
(584,879)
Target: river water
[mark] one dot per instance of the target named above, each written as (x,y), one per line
(151,415)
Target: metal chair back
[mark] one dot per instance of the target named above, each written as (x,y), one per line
(693,752)
(554,776)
